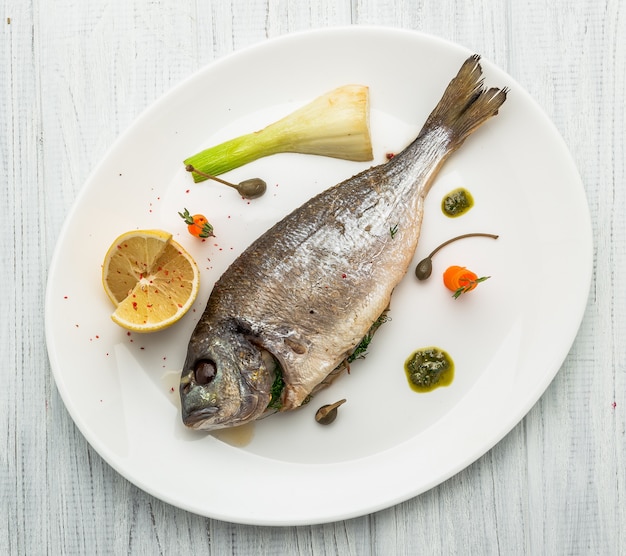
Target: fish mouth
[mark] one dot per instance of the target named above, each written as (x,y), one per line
(199,419)
(200,407)
(200,414)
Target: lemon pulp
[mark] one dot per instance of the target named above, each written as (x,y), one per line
(150,278)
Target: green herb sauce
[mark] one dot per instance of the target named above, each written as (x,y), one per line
(457,202)
(428,368)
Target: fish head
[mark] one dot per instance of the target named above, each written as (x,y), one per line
(226,380)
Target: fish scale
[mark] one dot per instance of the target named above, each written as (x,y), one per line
(299,300)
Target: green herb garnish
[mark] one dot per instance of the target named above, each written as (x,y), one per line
(276,390)
(361,349)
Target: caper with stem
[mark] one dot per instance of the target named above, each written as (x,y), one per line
(250,189)
(326,414)
(425,267)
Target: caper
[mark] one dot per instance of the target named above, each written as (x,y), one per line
(425,267)
(250,188)
(326,414)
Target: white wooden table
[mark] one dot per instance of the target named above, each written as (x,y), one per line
(74,74)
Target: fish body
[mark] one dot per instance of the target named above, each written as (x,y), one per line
(299,299)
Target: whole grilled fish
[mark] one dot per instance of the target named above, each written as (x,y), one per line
(287,314)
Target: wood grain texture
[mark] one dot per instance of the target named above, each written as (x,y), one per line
(74,75)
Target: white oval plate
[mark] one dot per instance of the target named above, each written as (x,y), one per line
(508,338)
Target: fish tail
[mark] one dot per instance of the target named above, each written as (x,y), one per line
(466,104)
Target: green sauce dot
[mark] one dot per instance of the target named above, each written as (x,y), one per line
(457,202)
(429,368)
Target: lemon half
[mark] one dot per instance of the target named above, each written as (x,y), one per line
(150,278)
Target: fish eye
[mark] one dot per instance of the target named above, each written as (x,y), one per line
(204,371)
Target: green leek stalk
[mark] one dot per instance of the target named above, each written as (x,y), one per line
(335,124)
